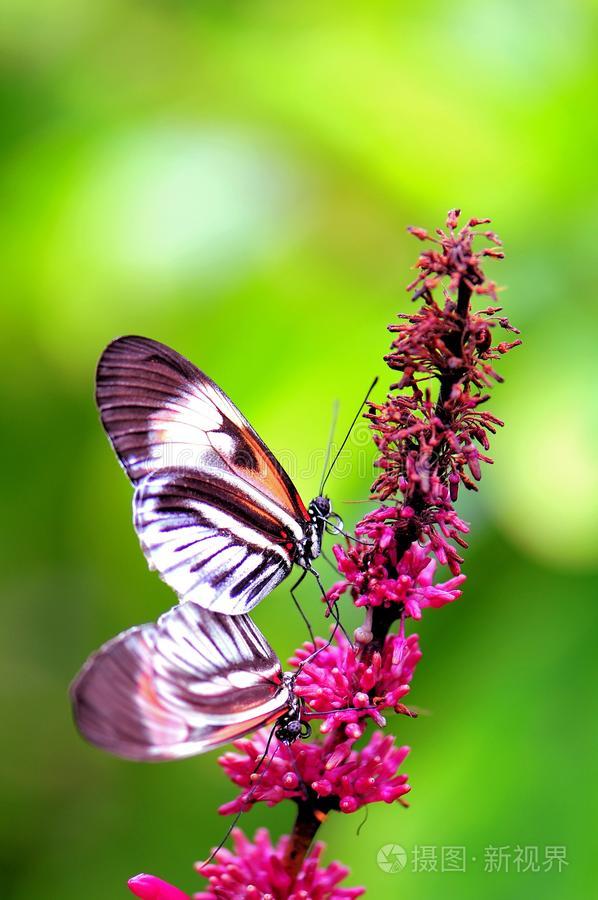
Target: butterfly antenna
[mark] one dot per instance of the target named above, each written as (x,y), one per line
(335,409)
(313,714)
(247,800)
(342,446)
(217,849)
(331,528)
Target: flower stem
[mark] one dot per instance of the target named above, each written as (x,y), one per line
(382,618)
(310,815)
(454,343)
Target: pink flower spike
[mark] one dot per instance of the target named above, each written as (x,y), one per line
(148,887)
(255,871)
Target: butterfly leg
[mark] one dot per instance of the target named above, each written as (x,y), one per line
(249,795)
(299,607)
(329,561)
(332,608)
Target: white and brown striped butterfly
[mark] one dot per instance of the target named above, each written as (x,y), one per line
(216,514)
(184,685)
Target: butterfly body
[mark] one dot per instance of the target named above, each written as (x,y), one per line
(216,514)
(310,547)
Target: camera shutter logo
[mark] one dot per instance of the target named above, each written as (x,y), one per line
(391,858)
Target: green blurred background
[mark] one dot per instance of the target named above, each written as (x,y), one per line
(235,178)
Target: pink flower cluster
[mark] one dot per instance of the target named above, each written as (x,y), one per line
(330,769)
(256,871)
(377,575)
(337,683)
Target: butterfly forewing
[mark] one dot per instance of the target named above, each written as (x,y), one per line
(212,545)
(190,682)
(217,516)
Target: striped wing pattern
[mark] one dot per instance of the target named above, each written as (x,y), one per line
(208,543)
(190,682)
(216,515)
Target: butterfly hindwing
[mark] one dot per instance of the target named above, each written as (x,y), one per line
(216,515)
(190,682)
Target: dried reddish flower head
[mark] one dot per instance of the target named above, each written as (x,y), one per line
(427,444)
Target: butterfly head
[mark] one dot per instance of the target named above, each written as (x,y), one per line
(322,519)
(288,732)
(289,726)
(320,508)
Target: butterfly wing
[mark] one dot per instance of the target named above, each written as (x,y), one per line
(212,543)
(190,682)
(216,515)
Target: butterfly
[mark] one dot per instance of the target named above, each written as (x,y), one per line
(184,685)
(216,514)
